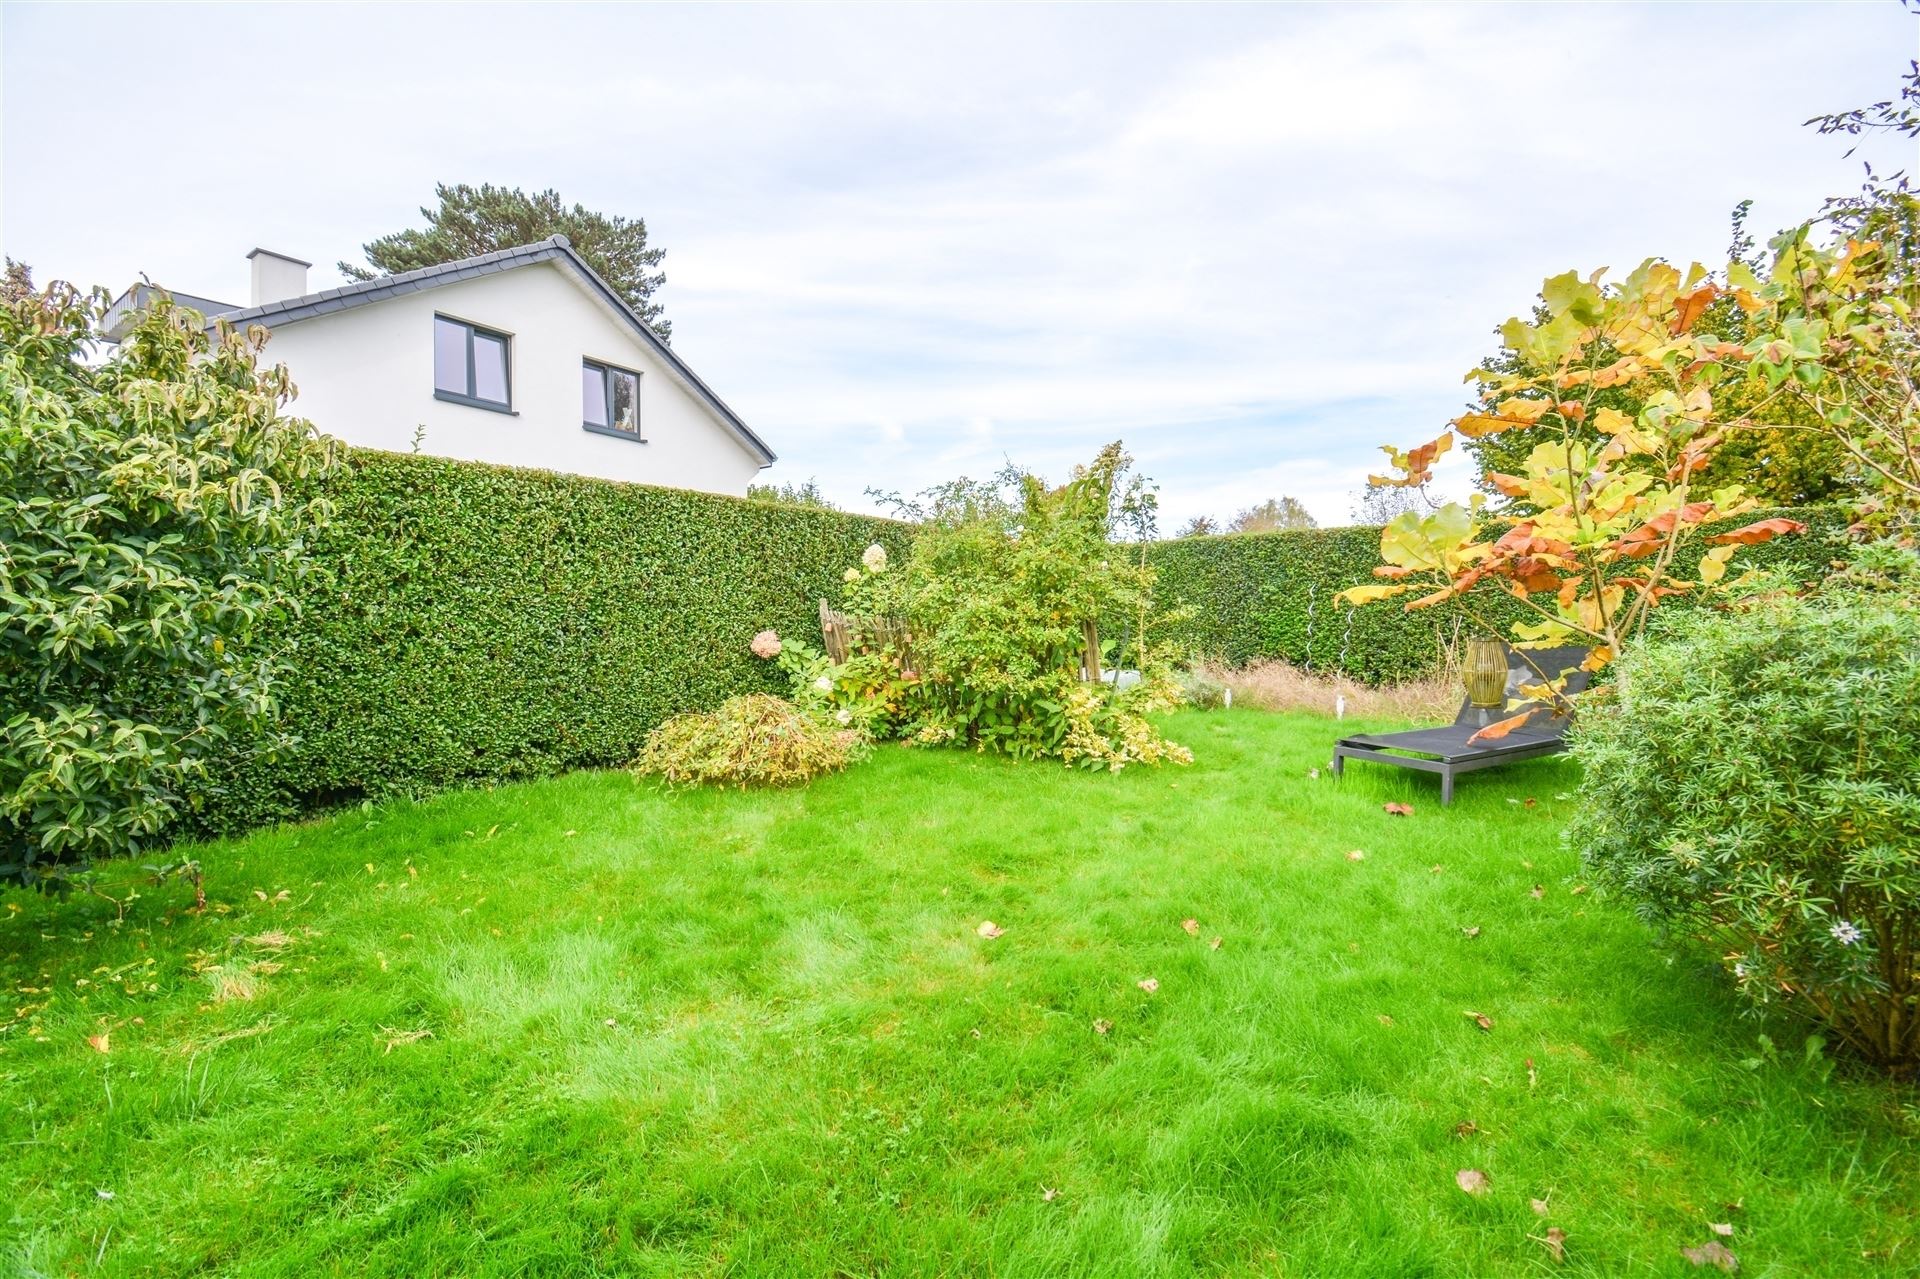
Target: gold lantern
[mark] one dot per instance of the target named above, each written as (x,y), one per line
(1485,673)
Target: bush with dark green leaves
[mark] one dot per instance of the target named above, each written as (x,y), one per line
(468,624)
(148,550)
(1756,785)
(1257,596)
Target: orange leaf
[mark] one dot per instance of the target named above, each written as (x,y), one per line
(1476,425)
(99,1042)
(1690,305)
(1759,531)
(1428,601)
(1495,731)
(1398,810)
(1511,485)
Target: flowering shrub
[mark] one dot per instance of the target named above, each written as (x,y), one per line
(996,591)
(1756,784)
(753,740)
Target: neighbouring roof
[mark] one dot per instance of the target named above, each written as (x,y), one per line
(557,249)
(119,317)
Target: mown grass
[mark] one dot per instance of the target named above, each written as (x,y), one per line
(584,1027)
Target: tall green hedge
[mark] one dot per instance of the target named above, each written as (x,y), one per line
(470,623)
(1270,595)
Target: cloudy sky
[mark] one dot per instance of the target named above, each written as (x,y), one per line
(906,243)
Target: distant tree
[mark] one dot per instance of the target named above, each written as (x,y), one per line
(483,219)
(791,494)
(17,285)
(1379,505)
(1274,514)
(1199,526)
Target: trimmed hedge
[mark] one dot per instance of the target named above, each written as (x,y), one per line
(470,623)
(1262,595)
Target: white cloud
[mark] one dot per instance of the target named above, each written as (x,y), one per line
(1254,242)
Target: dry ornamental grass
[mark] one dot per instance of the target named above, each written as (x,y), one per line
(1281,686)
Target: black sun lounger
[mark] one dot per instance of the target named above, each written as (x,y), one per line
(1446,750)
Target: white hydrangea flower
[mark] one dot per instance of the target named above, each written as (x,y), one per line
(875,557)
(824,684)
(851,575)
(844,716)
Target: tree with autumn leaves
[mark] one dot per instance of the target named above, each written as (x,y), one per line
(1615,497)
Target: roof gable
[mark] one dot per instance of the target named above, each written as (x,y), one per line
(556,250)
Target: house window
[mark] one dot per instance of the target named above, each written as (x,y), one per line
(470,365)
(609,399)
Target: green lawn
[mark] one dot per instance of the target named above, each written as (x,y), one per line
(584,1027)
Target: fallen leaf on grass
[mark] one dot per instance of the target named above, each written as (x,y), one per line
(1577,889)
(272,939)
(1398,810)
(1435,869)
(1465,1128)
(1471,1180)
(1101,1025)
(1384,1019)
(989,930)
(1722,1228)
(1539,891)
(1148,984)
(1356,856)
(1533,1076)
(1048,1194)
(1214,944)
(1554,1241)
(1479,1019)
(1532,802)
(1471,932)
(569,834)
(1712,1253)
(395,1038)
(99,1042)
(1313,774)
(1192,926)
(1538,1205)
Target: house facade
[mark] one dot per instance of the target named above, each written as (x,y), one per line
(523,357)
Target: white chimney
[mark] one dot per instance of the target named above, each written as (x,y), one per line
(276,277)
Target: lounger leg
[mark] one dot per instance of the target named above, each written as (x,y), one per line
(1446,788)
(1339,762)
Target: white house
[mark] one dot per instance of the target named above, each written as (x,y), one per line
(524,357)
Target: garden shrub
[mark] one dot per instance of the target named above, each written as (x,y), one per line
(755,739)
(1199,689)
(996,591)
(150,543)
(1255,596)
(1756,785)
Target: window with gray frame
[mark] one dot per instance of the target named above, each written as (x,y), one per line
(609,399)
(471,365)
